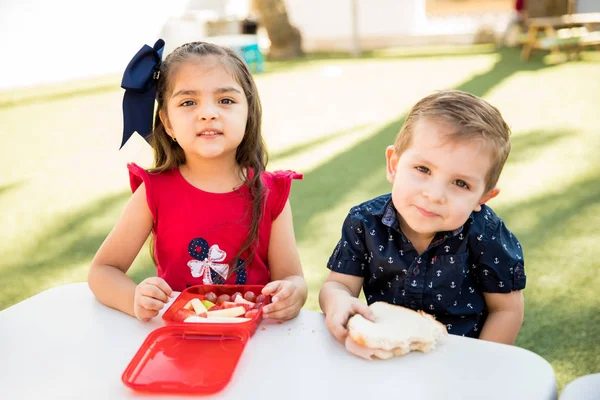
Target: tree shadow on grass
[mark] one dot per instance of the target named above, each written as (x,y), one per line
(4,189)
(73,239)
(331,181)
(561,307)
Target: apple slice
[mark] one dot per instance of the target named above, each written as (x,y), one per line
(197,306)
(227,312)
(229,320)
(240,300)
(194,318)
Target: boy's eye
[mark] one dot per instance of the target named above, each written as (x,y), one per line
(422,169)
(462,184)
(188,103)
(227,101)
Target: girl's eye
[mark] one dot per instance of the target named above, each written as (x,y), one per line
(422,169)
(227,101)
(461,184)
(188,103)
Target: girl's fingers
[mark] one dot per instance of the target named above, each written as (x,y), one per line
(161,284)
(283,313)
(150,290)
(151,304)
(271,287)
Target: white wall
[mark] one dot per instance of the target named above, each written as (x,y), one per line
(47,41)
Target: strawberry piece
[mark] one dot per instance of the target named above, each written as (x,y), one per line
(252,313)
(229,304)
(182,314)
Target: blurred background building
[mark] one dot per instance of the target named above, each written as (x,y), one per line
(54,41)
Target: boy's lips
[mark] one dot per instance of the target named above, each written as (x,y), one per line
(426,213)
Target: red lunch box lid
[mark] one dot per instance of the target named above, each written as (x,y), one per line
(176,359)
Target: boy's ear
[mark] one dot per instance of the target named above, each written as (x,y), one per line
(391,162)
(165,121)
(487,197)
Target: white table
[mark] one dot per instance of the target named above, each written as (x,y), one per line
(583,388)
(64,344)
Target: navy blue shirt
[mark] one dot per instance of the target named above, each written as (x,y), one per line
(447,280)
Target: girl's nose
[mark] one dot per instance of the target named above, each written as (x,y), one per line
(208,112)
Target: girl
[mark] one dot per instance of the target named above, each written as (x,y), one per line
(216,216)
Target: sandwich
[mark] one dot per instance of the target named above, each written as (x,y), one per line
(396,331)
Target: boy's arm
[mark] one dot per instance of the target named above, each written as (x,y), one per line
(338,300)
(107,275)
(338,286)
(506,311)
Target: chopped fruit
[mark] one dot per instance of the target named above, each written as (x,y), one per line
(214,308)
(257,305)
(208,304)
(222,298)
(227,312)
(240,300)
(229,304)
(234,295)
(194,318)
(251,313)
(260,298)
(231,320)
(198,306)
(210,296)
(182,314)
(250,296)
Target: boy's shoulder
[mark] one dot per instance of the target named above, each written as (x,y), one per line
(484,221)
(374,206)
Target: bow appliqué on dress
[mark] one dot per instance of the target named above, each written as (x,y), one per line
(202,268)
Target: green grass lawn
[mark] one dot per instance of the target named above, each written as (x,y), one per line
(63,182)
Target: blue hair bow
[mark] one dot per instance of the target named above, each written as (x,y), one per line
(139,82)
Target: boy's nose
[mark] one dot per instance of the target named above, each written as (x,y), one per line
(435,193)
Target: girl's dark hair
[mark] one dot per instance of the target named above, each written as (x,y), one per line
(251,154)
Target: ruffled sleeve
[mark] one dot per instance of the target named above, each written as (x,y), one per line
(500,265)
(278,185)
(137,176)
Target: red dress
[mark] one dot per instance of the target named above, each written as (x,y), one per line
(197,234)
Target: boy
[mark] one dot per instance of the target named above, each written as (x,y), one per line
(433,244)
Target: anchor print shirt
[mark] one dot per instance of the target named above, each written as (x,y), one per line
(198,234)
(447,280)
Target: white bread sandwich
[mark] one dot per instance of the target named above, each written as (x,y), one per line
(396,331)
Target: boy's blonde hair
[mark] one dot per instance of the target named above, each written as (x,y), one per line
(473,118)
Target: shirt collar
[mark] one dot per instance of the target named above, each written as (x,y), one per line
(389,218)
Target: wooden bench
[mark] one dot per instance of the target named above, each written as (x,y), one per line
(570,31)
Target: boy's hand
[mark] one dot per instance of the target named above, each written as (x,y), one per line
(337,319)
(286,300)
(150,297)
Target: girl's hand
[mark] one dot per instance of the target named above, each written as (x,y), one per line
(346,307)
(150,297)
(286,300)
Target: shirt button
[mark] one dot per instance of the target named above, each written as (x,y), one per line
(416,271)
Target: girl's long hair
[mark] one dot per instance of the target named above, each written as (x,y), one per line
(251,154)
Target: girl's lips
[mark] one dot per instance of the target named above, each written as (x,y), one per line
(426,213)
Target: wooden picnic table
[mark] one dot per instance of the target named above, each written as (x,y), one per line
(542,33)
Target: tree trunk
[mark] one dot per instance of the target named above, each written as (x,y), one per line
(546,8)
(286,40)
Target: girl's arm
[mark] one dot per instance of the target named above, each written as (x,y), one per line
(287,285)
(107,275)
(505,317)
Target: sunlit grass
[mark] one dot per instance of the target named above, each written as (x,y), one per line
(63,182)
